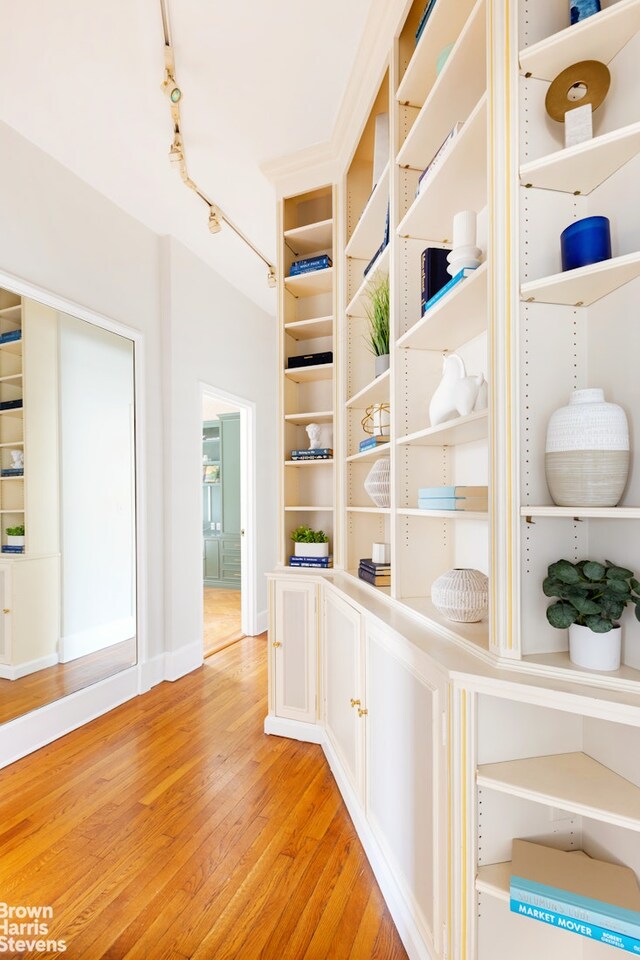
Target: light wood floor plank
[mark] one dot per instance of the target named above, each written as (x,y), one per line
(173,829)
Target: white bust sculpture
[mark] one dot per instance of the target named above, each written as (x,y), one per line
(17,460)
(313,432)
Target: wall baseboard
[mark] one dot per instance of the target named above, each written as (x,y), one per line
(151,673)
(262,622)
(177,663)
(293,729)
(8,672)
(40,727)
(76,645)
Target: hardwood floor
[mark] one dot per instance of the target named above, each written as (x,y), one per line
(37,689)
(222,619)
(173,828)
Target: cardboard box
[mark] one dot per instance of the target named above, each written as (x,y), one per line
(572,891)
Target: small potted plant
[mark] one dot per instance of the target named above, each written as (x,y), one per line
(310,543)
(378,316)
(591,598)
(15,536)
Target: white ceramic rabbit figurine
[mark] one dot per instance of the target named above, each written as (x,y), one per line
(457,394)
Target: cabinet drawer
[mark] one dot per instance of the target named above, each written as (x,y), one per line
(231,573)
(230,549)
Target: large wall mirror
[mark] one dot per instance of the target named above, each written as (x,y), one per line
(67,505)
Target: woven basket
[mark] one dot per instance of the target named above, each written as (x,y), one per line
(461,595)
(378,482)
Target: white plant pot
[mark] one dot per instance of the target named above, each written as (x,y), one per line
(15,541)
(381,364)
(311,549)
(595,651)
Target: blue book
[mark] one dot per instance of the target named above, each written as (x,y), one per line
(371,442)
(7,549)
(311,561)
(10,404)
(424,18)
(447,287)
(18,472)
(309,265)
(427,493)
(11,336)
(320,452)
(382,246)
(434,273)
(451,503)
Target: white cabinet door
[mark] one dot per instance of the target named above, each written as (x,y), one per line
(294,648)
(406,774)
(344,698)
(5,614)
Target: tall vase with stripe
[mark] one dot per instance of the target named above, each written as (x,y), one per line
(587,452)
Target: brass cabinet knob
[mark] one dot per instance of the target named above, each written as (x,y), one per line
(276,643)
(362,713)
(6,610)
(355,703)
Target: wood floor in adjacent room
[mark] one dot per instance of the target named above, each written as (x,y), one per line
(173,828)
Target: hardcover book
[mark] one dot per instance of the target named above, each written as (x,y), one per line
(382,246)
(440,155)
(426,493)
(447,287)
(10,472)
(310,359)
(424,18)
(371,442)
(10,404)
(375,568)
(11,336)
(310,264)
(434,273)
(311,562)
(377,580)
(480,504)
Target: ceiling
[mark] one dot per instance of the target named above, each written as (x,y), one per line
(82,81)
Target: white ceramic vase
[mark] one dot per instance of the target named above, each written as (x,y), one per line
(378,483)
(595,651)
(381,419)
(461,595)
(587,452)
(311,549)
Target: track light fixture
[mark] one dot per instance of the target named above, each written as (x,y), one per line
(177,151)
(215,225)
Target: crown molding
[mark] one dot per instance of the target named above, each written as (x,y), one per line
(298,171)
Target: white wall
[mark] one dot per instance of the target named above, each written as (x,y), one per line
(97,488)
(216,336)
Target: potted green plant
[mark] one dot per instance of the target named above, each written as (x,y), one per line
(310,543)
(15,536)
(378,315)
(590,599)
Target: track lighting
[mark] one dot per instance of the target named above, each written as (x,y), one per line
(171,88)
(271,277)
(215,226)
(176,153)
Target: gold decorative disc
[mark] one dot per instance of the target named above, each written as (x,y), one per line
(564,94)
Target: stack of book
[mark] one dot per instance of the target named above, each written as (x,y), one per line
(8,549)
(382,246)
(423,19)
(11,405)
(378,574)
(454,498)
(447,287)
(320,562)
(13,472)
(11,336)
(324,453)
(372,442)
(310,264)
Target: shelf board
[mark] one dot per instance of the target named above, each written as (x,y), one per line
(571,781)
(559,660)
(582,287)
(580,169)
(308,463)
(453,96)
(599,37)
(310,284)
(16,443)
(356,307)
(310,329)
(494,879)
(445,24)
(476,634)
(308,509)
(583,513)
(444,514)
(302,419)
(12,346)
(21,479)
(383,510)
(457,318)
(13,376)
(369,230)
(311,238)
(459,183)
(375,392)
(15,412)
(320,371)
(380,451)
(11,313)
(451,433)
(12,511)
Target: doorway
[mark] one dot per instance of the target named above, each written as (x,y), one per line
(226,490)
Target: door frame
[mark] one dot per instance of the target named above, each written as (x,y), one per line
(248,492)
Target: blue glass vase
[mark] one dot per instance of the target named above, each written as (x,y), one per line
(581,9)
(585,241)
